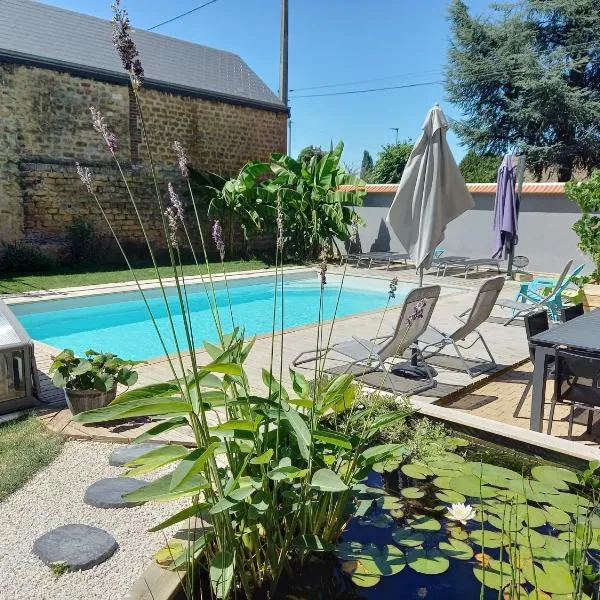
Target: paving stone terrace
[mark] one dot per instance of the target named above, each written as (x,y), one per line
(455,388)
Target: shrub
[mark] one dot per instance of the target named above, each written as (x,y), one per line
(21,257)
(587,196)
(81,242)
(480,168)
(391,162)
(306,154)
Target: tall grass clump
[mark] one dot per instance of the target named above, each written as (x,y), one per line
(270,480)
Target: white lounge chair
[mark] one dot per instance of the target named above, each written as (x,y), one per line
(373,355)
(480,311)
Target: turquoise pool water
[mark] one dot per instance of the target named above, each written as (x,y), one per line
(119,322)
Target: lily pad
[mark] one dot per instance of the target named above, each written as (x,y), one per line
(555,476)
(456,549)
(391,503)
(489,539)
(570,503)
(530,539)
(396,513)
(412,493)
(556,516)
(408,537)
(553,578)
(492,472)
(428,562)
(381,521)
(450,496)
(424,523)
(469,485)
(417,471)
(443,483)
(458,533)
(495,575)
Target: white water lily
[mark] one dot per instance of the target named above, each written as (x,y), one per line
(461,512)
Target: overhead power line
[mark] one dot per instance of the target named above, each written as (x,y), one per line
(185,14)
(381,89)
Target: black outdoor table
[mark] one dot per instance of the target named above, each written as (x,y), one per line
(582,333)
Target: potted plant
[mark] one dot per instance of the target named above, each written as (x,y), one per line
(90,381)
(587,196)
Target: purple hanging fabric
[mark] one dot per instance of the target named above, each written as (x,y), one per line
(506,209)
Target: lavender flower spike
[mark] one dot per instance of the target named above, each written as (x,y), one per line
(182,159)
(103,129)
(85,175)
(323,266)
(279,225)
(393,288)
(125,46)
(176,202)
(171,215)
(217,236)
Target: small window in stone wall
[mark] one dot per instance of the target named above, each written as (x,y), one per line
(135,135)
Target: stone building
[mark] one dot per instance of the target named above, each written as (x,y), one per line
(55,64)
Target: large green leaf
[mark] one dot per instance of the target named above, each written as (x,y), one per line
(142,407)
(238,425)
(160,490)
(555,476)
(286,472)
(494,574)
(163,426)
(221,367)
(554,577)
(221,572)
(333,438)
(193,463)
(156,458)
(194,550)
(299,427)
(155,390)
(456,549)
(328,481)
(408,537)
(187,513)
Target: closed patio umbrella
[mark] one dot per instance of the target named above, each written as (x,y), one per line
(506,209)
(432,192)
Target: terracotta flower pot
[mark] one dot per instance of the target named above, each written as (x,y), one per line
(82,400)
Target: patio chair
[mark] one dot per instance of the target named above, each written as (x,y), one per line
(571,312)
(383,258)
(480,311)
(534,290)
(526,305)
(576,380)
(535,323)
(465,263)
(374,354)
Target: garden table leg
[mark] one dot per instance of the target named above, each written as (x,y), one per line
(539,388)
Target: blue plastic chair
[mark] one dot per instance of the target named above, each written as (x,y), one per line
(554,301)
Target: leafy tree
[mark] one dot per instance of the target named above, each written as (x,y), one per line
(366,165)
(528,78)
(390,163)
(316,212)
(480,168)
(307,153)
(587,196)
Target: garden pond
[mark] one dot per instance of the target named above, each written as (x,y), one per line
(453,526)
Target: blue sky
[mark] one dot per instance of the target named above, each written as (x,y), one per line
(378,42)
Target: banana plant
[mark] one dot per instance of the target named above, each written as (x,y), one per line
(318,210)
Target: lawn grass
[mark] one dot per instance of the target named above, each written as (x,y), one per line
(26,446)
(61,278)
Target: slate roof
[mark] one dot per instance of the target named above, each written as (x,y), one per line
(47,36)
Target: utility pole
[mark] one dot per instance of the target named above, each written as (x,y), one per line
(289,137)
(283,56)
(396,129)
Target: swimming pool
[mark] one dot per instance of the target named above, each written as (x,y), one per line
(118,322)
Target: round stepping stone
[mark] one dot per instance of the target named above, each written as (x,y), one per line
(124,454)
(79,547)
(108,493)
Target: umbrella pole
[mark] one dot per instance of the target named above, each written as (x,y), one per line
(511,251)
(421,277)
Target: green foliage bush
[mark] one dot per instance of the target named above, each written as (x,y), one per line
(21,257)
(480,168)
(390,163)
(306,154)
(81,242)
(587,196)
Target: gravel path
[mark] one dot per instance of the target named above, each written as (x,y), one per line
(54,497)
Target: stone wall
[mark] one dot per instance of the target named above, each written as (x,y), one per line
(46,126)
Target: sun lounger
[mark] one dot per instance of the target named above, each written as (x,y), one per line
(465,263)
(362,356)
(470,320)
